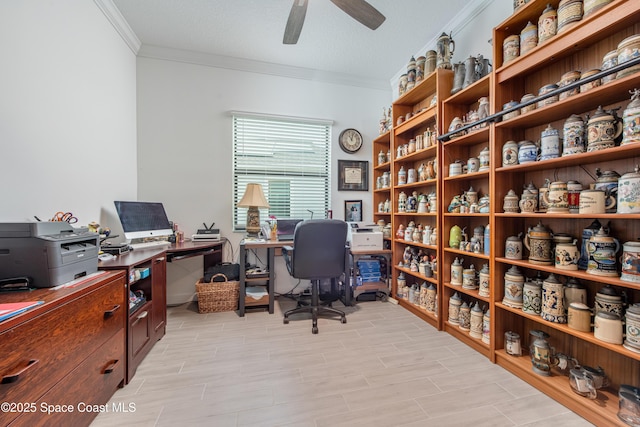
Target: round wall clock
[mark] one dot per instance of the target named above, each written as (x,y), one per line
(350,140)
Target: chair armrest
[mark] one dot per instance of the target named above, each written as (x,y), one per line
(287,254)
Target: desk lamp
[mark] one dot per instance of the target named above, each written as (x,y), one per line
(253,199)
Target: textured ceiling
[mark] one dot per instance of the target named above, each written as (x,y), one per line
(331,41)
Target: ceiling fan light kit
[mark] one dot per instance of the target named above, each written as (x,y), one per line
(359,10)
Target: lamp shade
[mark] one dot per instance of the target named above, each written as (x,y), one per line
(253,196)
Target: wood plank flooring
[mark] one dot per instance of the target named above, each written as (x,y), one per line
(384,367)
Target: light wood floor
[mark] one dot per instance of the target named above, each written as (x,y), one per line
(385,367)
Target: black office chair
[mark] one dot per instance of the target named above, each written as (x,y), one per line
(318,253)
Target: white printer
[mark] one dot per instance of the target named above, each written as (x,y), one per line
(364,237)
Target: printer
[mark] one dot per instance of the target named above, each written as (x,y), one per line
(364,238)
(47,253)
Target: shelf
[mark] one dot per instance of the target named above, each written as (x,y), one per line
(578,274)
(471,93)
(573,39)
(428,316)
(470,292)
(416,184)
(466,253)
(383,166)
(425,153)
(475,343)
(562,327)
(418,244)
(473,137)
(416,120)
(601,411)
(433,279)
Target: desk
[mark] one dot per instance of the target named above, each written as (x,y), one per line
(210,251)
(379,287)
(270,246)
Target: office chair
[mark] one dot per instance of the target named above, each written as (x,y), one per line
(318,253)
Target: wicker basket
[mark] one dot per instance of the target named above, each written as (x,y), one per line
(217,296)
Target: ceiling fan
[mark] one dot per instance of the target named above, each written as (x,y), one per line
(359,10)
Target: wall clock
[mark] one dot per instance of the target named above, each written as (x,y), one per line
(350,140)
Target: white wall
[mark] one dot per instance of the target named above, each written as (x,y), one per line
(67,112)
(185,146)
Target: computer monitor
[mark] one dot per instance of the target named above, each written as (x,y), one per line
(143,219)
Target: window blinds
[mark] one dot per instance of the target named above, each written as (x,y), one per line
(291,159)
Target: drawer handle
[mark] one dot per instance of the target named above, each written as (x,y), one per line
(112,312)
(140,316)
(109,369)
(12,378)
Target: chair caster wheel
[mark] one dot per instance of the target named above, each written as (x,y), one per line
(343,320)
(285,321)
(314,330)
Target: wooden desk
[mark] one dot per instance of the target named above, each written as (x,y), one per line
(271,246)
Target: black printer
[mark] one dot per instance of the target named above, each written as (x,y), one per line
(47,253)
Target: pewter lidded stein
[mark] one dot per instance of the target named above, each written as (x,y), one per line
(631,120)
(553,305)
(445,47)
(629,192)
(542,354)
(573,131)
(602,250)
(589,231)
(603,130)
(538,240)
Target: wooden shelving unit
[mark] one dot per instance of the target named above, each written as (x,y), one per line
(581,47)
(426,114)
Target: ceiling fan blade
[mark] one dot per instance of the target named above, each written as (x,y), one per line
(362,12)
(295,21)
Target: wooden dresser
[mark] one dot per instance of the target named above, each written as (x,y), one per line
(62,359)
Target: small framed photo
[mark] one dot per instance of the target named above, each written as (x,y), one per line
(353,210)
(353,175)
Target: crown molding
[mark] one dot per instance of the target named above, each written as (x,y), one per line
(260,67)
(118,22)
(460,21)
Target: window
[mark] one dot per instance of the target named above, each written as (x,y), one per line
(290,157)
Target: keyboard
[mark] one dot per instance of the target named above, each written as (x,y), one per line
(149,245)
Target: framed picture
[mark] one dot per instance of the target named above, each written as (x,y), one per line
(353,210)
(353,175)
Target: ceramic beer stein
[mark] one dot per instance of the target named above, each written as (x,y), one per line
(445,46)
(464,317)
(528,202)
(573,131)
(510,153)
(456,272)
(510,48)
(485,159)
(547,24)
(513,287)
(575,292)
(602,250)
(527,152)
(431,59)
(486,327)
(632,316)
(608,182)
(631,262)
(607,299)
(629,192)
(528,38)
(476,321)
(579,317)
(538,241)
(591,84)
(565,80)
(484,281)
(573,193)
(549,143)
(512,343)
(631,120)
(513,247)
(595,202)
(454,309)
(628,50)
(469,278)
(511,202)
(430,302)
(589,231)
(603,130)
(470,76)
(607,327)
(567,255)
(569,12)
(553,306)
(542,354)
(532,297)
(557,198)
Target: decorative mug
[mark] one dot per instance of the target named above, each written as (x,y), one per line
(473,165)
(527,152)
(607,327)
(579,317)
(567,256)
(593,202)
(557,198)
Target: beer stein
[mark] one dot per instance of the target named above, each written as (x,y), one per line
(430,62)
(464,317)
(553,306)
(603,130)
(547,24)
(628,192)
(486,327)
(557,198)
(510,153)
(629,404)
(579,317)
(632,339)
(527,152)
(456,272)
(607,181)
(513,247)
(628,50)
(631,262)
(510,48)
(528,38)
(470,75)
(512,343)
(513,286)
(511,202)
(607,299)
(476,321)
(602,250)
(532,297)
(567,255)
(607,327)
(454,309)
(445,46)
(542,354)
(538,242)
(574,292)
(589,231)
(598,375)
(573,132)
(574,188)
(581,383)
(469,279)
(458,78)
(631,120)
(484,159)
(549,143)
(529,201)
(430,302)
(484,281)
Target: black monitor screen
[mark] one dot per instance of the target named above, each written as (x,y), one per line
(143,219)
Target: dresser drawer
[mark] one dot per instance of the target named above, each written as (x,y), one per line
(102,373)
(41,351)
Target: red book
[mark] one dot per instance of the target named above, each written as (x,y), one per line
(11,309)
